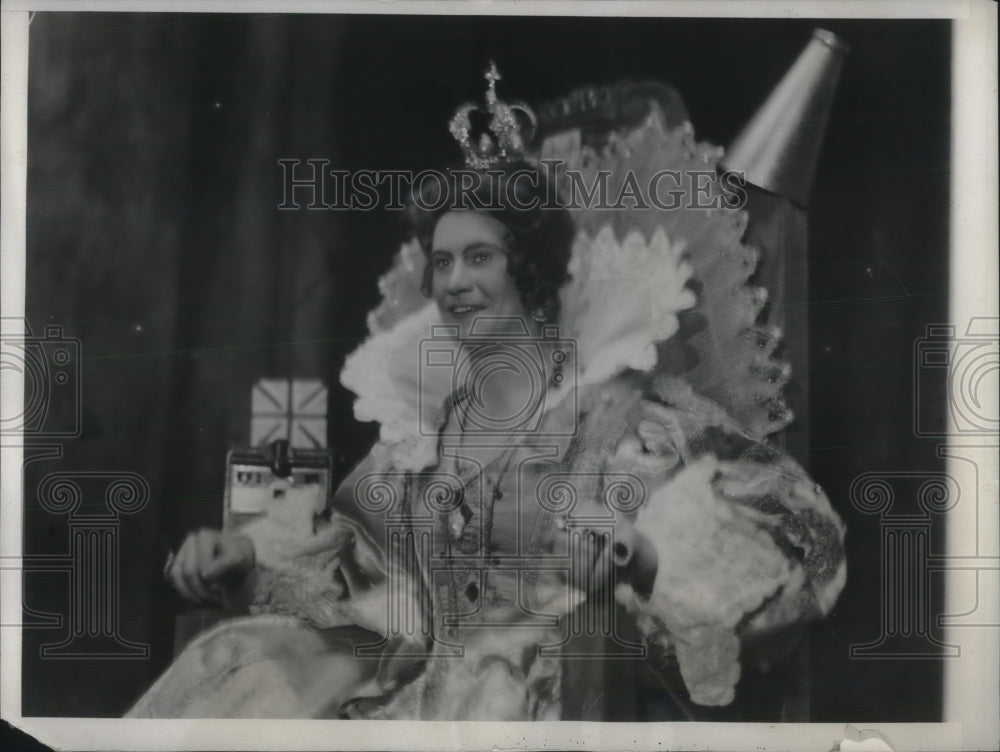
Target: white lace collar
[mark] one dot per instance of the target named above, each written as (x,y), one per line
(623,298)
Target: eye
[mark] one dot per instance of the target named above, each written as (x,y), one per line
(440,262)
(481,255)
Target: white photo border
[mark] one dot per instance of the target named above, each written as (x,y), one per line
(972,681)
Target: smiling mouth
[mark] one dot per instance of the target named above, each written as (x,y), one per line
(464,310)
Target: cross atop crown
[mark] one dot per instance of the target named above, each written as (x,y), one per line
(503,140)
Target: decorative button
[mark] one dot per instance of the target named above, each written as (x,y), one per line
(497,494)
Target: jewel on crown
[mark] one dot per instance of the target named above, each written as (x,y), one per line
(503,141)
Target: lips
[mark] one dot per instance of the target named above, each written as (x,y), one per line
(463,310)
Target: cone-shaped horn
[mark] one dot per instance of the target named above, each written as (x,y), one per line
(777,150)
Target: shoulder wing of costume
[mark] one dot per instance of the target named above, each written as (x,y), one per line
(719,347)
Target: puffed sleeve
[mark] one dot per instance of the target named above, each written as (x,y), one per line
(745,543)
(328,570)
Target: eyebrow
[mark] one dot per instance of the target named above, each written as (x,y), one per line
(478,245)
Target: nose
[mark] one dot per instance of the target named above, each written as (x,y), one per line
(458,281)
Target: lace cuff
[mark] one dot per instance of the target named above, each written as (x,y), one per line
(306,567)
(724,570)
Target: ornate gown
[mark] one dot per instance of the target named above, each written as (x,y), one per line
(442,583)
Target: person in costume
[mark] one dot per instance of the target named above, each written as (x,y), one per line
(551,483)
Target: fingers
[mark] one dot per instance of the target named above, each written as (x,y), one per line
(600,569)
(582,558)
(187,571)
(592,561)
(202,546)
(231,555)
(625,596)
(209,547)
(217,557)
(175,574)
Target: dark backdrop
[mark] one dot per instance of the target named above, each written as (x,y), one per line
(153,237)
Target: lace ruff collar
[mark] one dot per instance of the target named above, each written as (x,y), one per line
(623,298)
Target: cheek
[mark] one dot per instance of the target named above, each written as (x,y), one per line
(495,283)
(437,284)
(508,294)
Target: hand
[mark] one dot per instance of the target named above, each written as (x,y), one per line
(207,561)
(591,562)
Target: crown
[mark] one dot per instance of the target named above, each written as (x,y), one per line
(503,141)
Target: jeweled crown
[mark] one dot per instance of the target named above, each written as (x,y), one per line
(503,140)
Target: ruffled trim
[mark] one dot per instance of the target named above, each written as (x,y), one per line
(622,300)
(714,567)
(392,388)
(729,356)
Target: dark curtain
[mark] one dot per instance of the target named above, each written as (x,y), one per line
(153,179)
(153,237)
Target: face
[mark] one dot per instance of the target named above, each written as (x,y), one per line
(469,271)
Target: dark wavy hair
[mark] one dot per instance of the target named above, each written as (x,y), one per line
(539,230)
